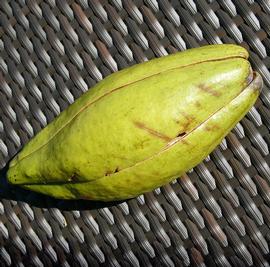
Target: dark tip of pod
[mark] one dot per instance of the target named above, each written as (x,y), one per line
(257,82)
(250,76)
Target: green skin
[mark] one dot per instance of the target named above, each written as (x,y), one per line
(141,127)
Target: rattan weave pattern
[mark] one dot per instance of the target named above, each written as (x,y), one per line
(218,214)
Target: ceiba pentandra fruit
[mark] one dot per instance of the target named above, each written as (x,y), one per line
(140,127)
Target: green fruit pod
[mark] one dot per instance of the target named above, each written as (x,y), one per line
(141,127)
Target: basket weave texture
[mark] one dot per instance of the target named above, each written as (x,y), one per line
(218,214)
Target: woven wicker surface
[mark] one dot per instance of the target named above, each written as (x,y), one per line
(218,214)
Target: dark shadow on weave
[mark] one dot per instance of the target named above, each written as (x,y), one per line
(12,192)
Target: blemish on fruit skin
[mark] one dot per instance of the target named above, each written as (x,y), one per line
(181,134)
(184,141)
(178,139)
(189,119)
(152,131)
(108,173)
(212,128)
(141,144)
(209,90)
(73,178)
